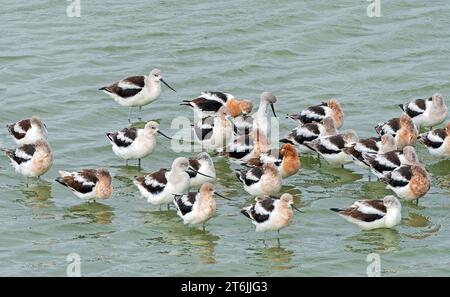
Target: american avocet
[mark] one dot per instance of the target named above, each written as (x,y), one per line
(437,141)
(402,128)
(261,118)
(331,148)
(373,214)
(260,181)
(286,159)
(159,187)
(426,112)
(197,207)
(306,133)
(316,113)
(247,146)
(372,145)
(134,143)
(209,103)
(28,131)
(31,160)
(214,132)
(270,213)
(205,165)
(380,164)
(409,182)
(136,90)
(87,184)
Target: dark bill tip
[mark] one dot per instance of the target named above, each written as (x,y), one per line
(164,82)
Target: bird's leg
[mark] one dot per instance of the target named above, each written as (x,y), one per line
(139,115)
(126,162)
(342,166)
(139,163)
(203,227)
(318,157)
(160,207)
(129,115)
(168,206)
(431,128)
(26,183)
(278,238)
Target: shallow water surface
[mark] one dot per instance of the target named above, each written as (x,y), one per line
(303,51)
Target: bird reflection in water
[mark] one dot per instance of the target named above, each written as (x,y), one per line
(278,258)
(92,212)
(374,241)
(426,227)
(39,194)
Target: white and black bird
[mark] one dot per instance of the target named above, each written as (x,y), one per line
(286,159)
(402,129)
(214,133)
(437,141)
(331,148)
(28,131)
(88,184)
(317,113)
(261,118)
(159,187)
(409,182)
(305,133)
(380,164)
(137,90)
(261,181)
(204,164)
(197,207)
(270,213)
(134,143)
(371,145)
(426,112)
(373,214)
(31,160)
(209,103)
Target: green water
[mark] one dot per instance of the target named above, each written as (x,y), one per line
(303,51)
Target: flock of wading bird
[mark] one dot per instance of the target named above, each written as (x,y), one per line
(228,129)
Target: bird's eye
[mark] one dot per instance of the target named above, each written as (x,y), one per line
(155,75)
(430,99)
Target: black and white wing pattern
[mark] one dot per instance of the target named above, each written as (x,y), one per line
(154,183)
(124,137)
(366,145)
(21,154)
(363,210)
(329,145)
(251,176)
(82,182)
(433,139)
(208,101)
(185,203)
(383,162)
(303,134)
(261,210)
(312,114)
(19,130)
(389,127)
(399,177)
(203,129)
(127,87)
(415,107)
